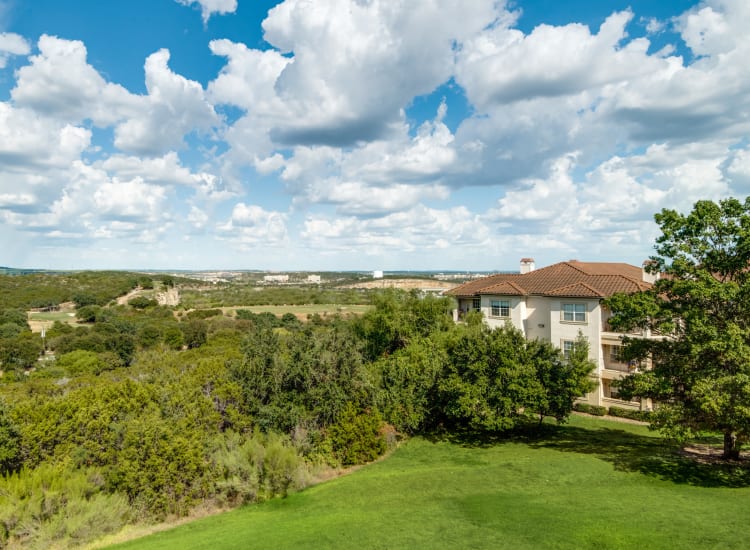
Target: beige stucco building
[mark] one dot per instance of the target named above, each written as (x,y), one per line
(554,303)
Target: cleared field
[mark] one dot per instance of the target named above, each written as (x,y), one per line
(589,484)
(38,319)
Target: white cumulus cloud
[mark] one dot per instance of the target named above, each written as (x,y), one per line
(210,7)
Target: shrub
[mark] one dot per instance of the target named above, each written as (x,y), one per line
(141,302)
(204,313)
(357,437)
(620,412)
(594,410)
(52,506)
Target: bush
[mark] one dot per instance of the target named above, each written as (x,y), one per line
(204,313)
(620,412)
(52,506)
(357,437)
(141,302)
(594,410)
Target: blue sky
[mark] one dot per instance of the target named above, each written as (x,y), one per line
(350,134)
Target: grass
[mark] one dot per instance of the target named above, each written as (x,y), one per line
(39,319)
(590,484)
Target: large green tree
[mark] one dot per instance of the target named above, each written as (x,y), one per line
(696,323)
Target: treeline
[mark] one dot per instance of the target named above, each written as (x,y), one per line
(42,290)
(144,415)
(231,294)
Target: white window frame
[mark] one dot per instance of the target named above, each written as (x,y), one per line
(500,308)
(476,304)
(567,347)
(577,311)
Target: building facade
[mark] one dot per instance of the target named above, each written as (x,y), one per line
(557,302)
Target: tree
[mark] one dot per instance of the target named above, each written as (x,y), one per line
(489,380)
(699,309)
(562,380)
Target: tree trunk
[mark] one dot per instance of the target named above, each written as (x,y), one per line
(731,447)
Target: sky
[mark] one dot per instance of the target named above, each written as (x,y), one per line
(363,134)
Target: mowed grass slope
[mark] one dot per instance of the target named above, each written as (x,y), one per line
(589,484)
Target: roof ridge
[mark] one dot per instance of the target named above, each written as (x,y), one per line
(570,264)
(577,283)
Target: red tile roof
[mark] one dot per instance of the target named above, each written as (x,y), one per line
(571,279)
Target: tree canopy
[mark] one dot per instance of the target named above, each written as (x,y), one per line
(696,322)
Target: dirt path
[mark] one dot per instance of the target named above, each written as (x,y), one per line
(123,300)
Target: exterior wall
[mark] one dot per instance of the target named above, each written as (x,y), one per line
(517,311)
(537,323)
(562,330)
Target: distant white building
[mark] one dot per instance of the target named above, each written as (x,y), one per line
(313,279)
(276,278)
(377,274)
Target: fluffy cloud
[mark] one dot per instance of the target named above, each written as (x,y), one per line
(252,225)
(339,91)
(417,229)
(210,7)
(12,44)
(59,83)
(503,65)
(28,139)
(174,107)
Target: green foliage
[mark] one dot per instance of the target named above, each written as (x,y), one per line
(232,295)
(167,280)
(145,282)
(620,412)
(174,337)
(83,299)
(594,410)
(16,317)
(562,380)
(301,378)
(20,352)
(398,317)
(39,290)
(9,443)
(357,437)
(9,330)
(195,333)
(407,384)
(88,314)
(55,506)
(204,313)
(142,302)
(701,307)
(80,362)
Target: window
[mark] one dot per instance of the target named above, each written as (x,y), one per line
(500,308)
(614,354)
(575,313)
(567,348)
(476,304)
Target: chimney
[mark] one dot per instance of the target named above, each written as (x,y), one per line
(646,275)
(527,265)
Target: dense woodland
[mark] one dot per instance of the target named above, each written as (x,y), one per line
(140,412)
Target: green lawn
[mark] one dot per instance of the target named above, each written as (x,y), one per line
(590,484)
